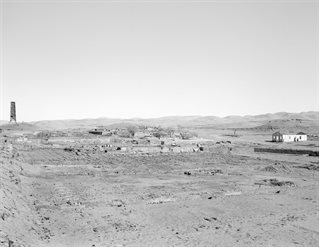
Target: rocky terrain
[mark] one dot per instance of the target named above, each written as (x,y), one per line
(75,189)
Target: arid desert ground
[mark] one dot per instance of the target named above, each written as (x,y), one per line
(72,188)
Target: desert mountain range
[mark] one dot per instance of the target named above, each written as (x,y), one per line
(304,121)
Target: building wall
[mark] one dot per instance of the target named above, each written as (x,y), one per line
(288,138)
(294,138)
(277,138)
(302,137)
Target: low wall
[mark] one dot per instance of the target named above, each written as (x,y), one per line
(164,149)
(287,151)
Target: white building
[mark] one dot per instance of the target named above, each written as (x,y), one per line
(278,137)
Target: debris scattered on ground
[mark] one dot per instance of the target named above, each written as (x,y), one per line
(275,182)
(269,169)
(84,196)
(223,142)
(311,167)
(210,219)
(117,203)
(205,171)
(160,200)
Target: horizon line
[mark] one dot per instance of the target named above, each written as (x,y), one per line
(167,116)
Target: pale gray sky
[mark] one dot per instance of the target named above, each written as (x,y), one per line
(89,59)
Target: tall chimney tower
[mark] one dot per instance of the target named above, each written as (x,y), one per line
(13,117)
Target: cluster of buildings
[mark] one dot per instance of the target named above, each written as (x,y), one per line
(137,132)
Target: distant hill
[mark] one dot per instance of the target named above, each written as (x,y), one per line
(264,121)
(17,127)
(75,124)
(287,126)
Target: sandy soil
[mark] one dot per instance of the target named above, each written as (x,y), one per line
(52,197)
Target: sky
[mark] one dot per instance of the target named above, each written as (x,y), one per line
(124,59)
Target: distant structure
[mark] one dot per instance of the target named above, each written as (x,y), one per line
(103,132)
(279,137)
(13,116)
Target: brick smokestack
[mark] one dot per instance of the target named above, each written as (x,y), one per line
(13,117)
